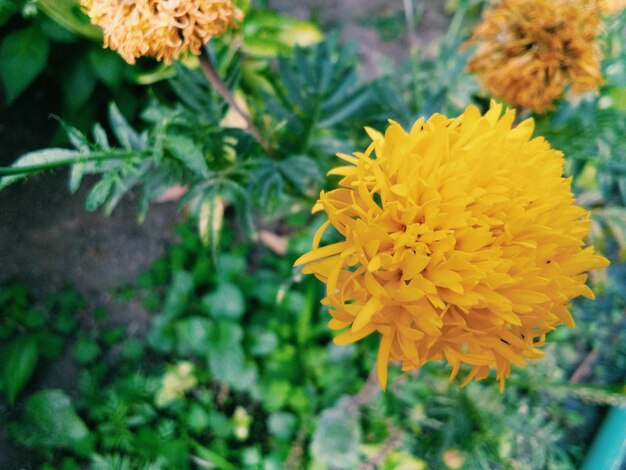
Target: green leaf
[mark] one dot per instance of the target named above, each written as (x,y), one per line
(262,342)
(614,218)
(231,266)
(23,56)
(347,108)
(50,344)
(69,14)
(303,173)
(337,436)
(113,335)
(34,318)
(193,335)
(226,355)
(185,150)
(212,457)
(133,349)
(108,67)
(18,360)
(98,194)
(282,425)
(178,294)
(125,134)
(44,158)
(198,419)
(304,314)
(86,350)
(226,302)
(8,8)
(49,421)
(78,82)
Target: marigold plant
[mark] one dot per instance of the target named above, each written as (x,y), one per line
(461,241)
(529,51)
(161,28)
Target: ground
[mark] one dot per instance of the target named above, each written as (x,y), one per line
(48,240)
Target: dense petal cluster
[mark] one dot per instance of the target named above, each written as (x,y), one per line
(611,7)
(460,241)
(529,51)
(161,28)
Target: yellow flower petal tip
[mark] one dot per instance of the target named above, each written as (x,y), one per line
(460,241)
(611,7)
(165,29)
(529,51)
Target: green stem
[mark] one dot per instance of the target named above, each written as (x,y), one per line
(94,157)
(61,13)
(456,24)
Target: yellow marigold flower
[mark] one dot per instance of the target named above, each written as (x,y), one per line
(529,51)
(161,28)
(610,7)
(461,241)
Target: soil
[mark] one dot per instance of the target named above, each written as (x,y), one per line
(378,27)
(49,241)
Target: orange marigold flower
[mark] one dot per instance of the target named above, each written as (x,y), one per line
(161,28)
(461,241)
(529,51)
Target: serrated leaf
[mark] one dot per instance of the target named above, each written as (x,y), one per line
(37,158)
(125,134)
(126,179)
(186,151)
(302,172)
(347,108)
(23,56)
(18,360)
(348,82)
(293,88)
(98,194)
(100,136)
(243,203)
(81,143)
(195,92)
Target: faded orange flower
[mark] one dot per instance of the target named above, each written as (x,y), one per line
(164,29)
(460,241)
(529,51)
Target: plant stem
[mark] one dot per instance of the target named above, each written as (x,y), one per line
(213,77)
(368,391)
(392,443)
(94,157)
